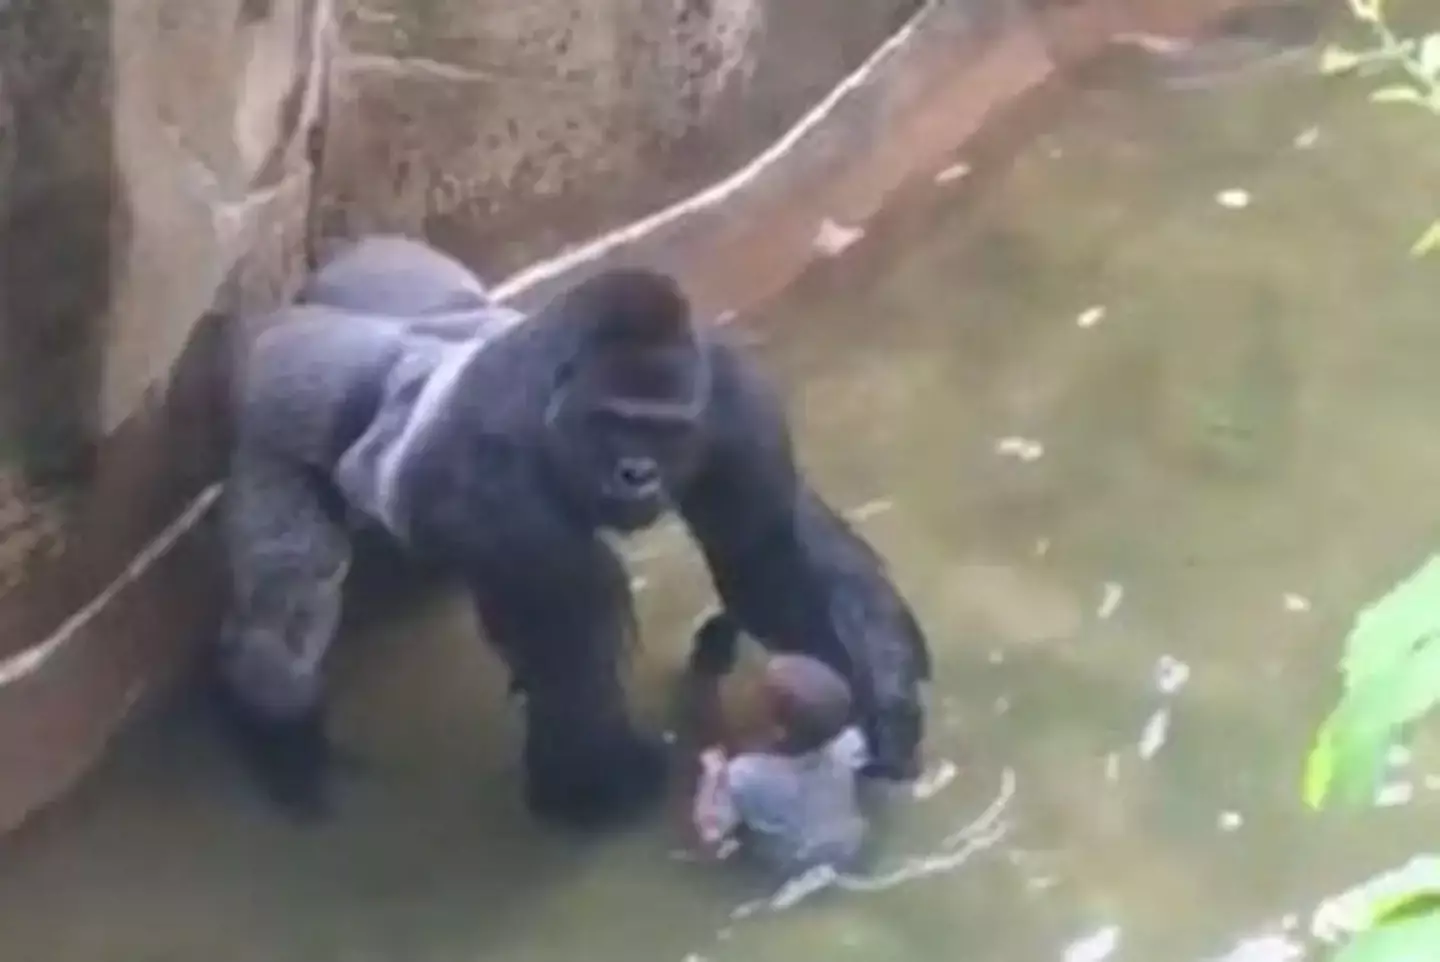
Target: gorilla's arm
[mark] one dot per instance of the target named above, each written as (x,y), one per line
(555,603)
(793,572)
(288,559)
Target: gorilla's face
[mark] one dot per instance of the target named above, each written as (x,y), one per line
(624,449)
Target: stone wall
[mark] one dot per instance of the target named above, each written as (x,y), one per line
(157,179)
(502,130)
(168,165)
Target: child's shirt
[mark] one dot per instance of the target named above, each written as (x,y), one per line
(797,811)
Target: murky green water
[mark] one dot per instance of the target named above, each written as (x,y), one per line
(1240,450)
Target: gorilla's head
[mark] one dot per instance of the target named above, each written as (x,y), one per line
(626,417)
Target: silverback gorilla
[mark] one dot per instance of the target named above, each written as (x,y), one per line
(395,395)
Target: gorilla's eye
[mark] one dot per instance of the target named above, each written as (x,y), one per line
(637,475)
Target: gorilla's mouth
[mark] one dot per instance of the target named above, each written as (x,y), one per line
(627,511)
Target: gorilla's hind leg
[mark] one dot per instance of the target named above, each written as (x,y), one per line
(289,558)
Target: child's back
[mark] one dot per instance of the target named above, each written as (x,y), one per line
(801,810)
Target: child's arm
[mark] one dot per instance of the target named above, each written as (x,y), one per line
(714,820)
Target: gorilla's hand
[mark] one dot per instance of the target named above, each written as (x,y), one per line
(589,775)
(889,660)
(556,604)
(893,733)
(290,759)
(717,646)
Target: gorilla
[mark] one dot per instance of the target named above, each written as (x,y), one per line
(395,396)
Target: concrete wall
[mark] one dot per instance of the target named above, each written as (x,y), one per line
(170,164)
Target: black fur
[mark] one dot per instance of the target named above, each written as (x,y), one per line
(605,410)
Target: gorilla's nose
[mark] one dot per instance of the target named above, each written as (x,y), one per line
(638,475)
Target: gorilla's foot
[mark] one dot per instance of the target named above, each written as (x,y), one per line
(291,759)
(598,784)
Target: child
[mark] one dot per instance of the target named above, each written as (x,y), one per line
(792,800)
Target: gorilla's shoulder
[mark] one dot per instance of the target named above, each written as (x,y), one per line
(740,392)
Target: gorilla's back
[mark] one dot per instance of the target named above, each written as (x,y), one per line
(395,276)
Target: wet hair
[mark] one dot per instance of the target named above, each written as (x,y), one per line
(811,701)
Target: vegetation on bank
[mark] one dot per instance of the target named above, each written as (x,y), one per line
(1391,664)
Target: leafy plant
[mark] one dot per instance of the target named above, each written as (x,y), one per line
(1391,671)
(1391,665)
(1417,62)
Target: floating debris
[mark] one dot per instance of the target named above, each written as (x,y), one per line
(1290,923)
(1041,883)
(639,583)
(1233,199)
(996,656)
(1022,448)
(1296,603)
(1112,767)
(1042,547)
(1090,316)
(1171,674)
(668,737)
(1153,736)
(1002,705)
(1110,601)
(1230,821)
(952,173)
(1095,947)
(1264,948)
(1307,138)
(725,317)
(933,782)
(1399,756)
(727,848)
(1432,782)
(833,239)
(1395,794)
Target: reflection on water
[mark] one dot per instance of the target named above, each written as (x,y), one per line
(1136,452)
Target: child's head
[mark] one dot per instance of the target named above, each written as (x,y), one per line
(808,702)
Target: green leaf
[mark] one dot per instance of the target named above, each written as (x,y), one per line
(1398,94)
(1403,906)
(1391,672)
(1337,60)
(1388,629)
(1319,768)
(1427,242)
(1371,716)
(1412,940)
